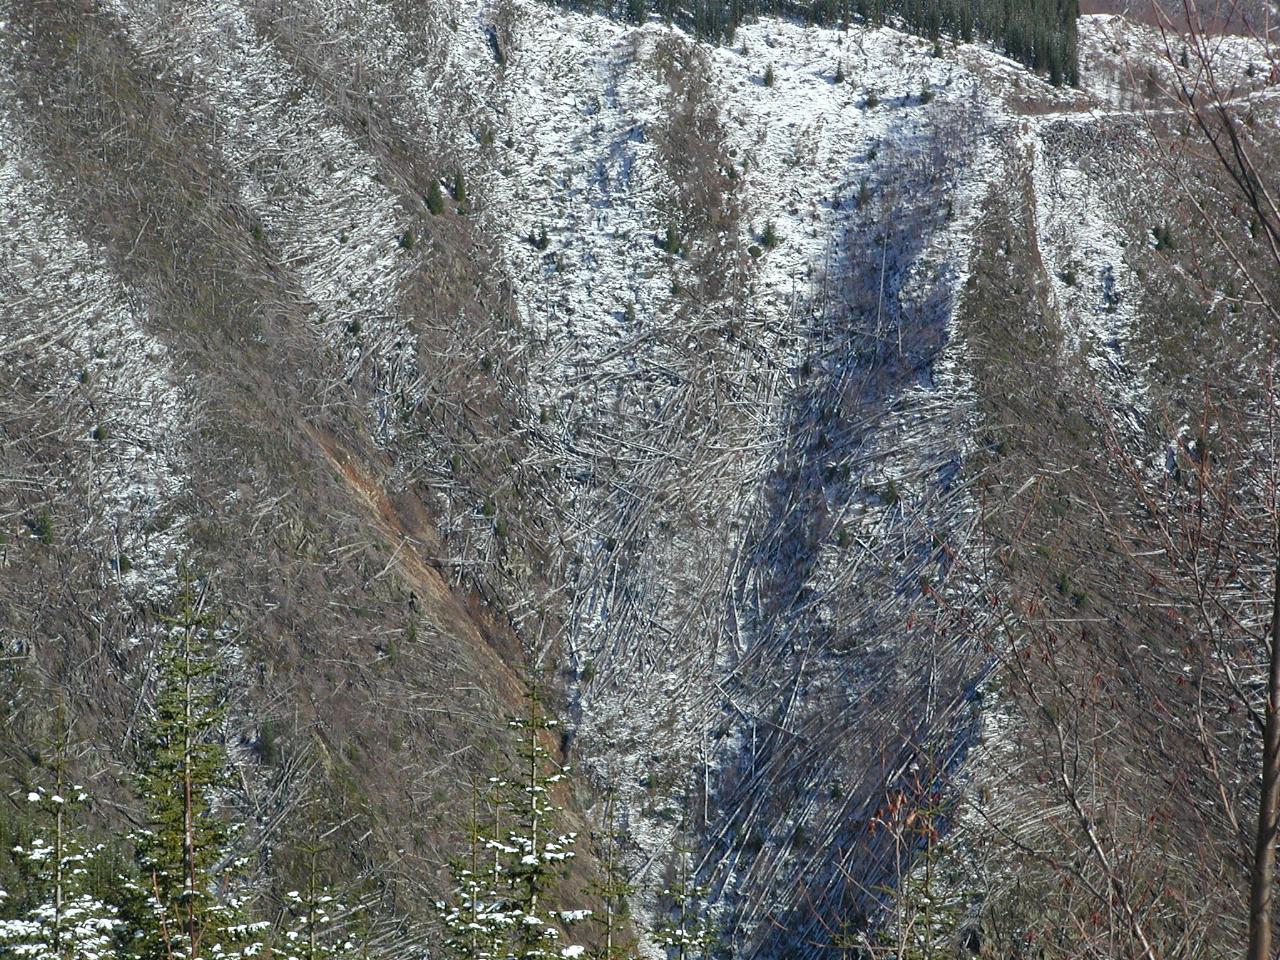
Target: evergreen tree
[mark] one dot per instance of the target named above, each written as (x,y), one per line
(504,905)
(62,918)
(929,906)
(613,889)
(671,241)
(435,199)
(538,852)
(315,928)
(478,921)
(185,855)
(686,932)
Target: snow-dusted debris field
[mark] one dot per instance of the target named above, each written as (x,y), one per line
(648,359)
(126,404)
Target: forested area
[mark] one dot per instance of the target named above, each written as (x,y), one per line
(1041,34)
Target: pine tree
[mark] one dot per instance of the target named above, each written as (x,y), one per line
(929,906)
(185,855)
(538,852)
(435,199)
(613,889)
(62,919)
(477,923)
(459,188)
(316,928)
(686,932)
(504,904)
(671,241)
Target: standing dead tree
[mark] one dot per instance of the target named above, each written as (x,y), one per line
(1214,92)
(1137,568)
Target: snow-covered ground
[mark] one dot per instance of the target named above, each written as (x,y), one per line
(1082,248)
(66,307)
(715,639)
(1125,65)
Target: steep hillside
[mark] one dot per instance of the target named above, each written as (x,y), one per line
(462,344)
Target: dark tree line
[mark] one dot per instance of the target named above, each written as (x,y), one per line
(1038,33)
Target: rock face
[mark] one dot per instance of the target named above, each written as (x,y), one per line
(457,343)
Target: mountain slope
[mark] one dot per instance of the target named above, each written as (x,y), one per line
(461,343)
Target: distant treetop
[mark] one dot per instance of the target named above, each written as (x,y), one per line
(1041,34)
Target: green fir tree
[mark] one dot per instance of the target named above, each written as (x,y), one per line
(60,915)
(317,922)
(613,889)
(435,199)
(685,930)
(186,857)
(506,899)
(477,921)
